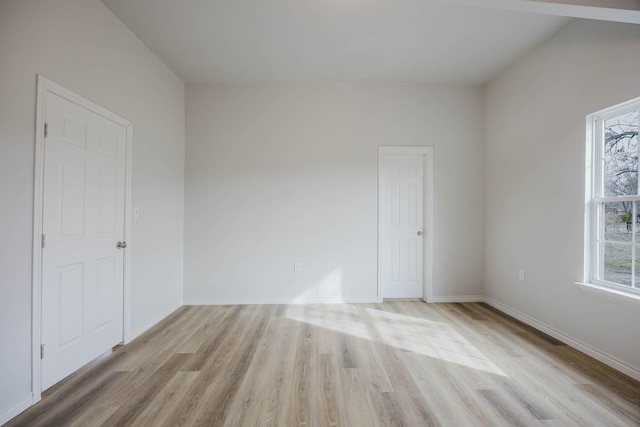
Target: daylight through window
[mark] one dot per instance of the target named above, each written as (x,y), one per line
(614,208)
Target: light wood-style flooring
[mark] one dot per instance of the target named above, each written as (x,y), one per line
(401,363)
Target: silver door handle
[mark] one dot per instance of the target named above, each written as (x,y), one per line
(121,245)
(420,233)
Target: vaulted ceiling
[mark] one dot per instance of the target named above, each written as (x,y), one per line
(411,41)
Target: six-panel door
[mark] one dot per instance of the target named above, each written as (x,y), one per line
(83,219)
(401,225)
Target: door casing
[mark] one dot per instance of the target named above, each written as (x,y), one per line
(45,85)
(427,152)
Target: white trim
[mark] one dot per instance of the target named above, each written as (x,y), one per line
(603,357)
(36,249)
(457,298)
(604,11)
(609,293)
(614,110)
(16,408)
(428,223)
(268,301)
(594,234)
(589,209)
(45,85)
(151,324)
(71,96)
(428,199)
(613,199)
(128,216)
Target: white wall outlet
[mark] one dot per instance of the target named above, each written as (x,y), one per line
(136,212)
(297,266)
(521,275)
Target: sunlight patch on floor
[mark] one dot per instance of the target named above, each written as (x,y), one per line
(429,338)
(346,322)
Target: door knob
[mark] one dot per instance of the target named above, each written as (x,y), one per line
(420,233)
(121,245)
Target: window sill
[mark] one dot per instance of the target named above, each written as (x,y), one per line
(614,294)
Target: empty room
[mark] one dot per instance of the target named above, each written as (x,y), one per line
(320,213)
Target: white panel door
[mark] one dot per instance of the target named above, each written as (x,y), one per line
(401,225)
(83,220)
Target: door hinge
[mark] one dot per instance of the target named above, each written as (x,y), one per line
(41,351)
(46,130)
(44,240)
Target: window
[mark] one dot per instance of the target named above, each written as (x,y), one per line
(613,200)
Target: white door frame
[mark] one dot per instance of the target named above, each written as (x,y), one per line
(45,85)
(427,263)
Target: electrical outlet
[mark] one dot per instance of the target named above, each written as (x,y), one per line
(297,266)
(521,275)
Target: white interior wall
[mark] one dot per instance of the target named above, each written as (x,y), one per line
(277,174)
(284,173)
(535,185)
(82,46)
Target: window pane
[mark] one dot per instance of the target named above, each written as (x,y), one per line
(617,263)
(621,155)
(618,224)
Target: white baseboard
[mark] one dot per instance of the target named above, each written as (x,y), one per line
(15,409)
(578,345)
(267,301)
(151,324)
(332,300)
(458,298)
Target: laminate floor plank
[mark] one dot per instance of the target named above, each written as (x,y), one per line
(358,392)
(398,363)
(230,364)
(94,416)
(247,410)
(450,408)
(304,380)
(163,406)
(140,398)
(133,355)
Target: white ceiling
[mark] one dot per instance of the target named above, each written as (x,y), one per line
(267,41)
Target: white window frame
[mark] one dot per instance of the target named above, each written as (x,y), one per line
(594,197)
